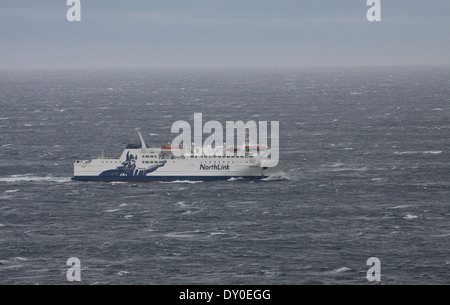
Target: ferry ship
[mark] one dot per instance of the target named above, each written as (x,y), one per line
(141,164)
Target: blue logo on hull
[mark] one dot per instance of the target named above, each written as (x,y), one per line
(129,169)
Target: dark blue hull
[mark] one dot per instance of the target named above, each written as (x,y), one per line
(160,178)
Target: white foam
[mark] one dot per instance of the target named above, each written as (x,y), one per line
(344,169)
(18,259)
(181,181)
(112,211)
(343,269)
(339,270)
(189,212)
(29,178)
(400,207)
(181,204)
(185,234)
(409,217)
(277,177)
(11,191)
(433,152)
(442,235)
(406,152)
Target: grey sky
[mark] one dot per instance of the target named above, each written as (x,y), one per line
(223,33)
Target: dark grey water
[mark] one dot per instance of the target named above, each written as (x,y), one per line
(367,175)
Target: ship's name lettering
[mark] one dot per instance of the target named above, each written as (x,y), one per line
(215,167)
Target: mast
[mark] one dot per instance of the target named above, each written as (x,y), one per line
(144,147)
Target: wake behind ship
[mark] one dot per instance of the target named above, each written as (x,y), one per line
(141,164)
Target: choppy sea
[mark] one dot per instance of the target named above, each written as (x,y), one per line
(367,174)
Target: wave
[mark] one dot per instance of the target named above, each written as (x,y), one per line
(348,169)
(112,211)
(400,207)
(433,152)
(11,191)
(277,177)
(31,178)
(338,271)
(343,269)
(185,234)
(6,197)
(442,235)
(181,204)
(406,152)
